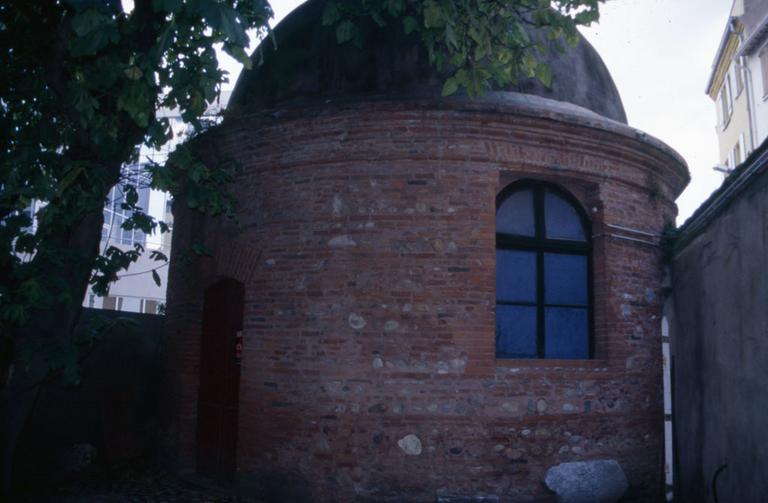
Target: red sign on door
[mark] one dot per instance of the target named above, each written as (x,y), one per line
(238,347)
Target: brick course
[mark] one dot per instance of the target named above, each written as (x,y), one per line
(367,248)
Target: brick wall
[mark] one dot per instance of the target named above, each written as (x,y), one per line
(367,247)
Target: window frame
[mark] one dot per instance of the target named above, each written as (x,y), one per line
(738,76)
(118,303)
(541,245)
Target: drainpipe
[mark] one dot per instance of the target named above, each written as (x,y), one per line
(751,112)
(741,65)
(669,460)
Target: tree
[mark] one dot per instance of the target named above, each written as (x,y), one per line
(80,86)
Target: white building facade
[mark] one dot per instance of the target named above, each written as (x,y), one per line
(754,52)
(738,82)
(136,289)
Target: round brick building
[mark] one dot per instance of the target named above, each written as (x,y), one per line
(424,298)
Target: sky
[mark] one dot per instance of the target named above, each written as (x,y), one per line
(660,54)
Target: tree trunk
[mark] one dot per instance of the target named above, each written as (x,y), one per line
(17,396)
(17,399)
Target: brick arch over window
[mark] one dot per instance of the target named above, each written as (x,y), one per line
(543,273)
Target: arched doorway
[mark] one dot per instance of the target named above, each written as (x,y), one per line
(219,379)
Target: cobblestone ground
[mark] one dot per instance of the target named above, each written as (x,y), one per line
(154,486)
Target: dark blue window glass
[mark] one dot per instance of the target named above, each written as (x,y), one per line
(515,215)
(515,276)
(515,331)
(561,219)
(565,279)
(566,332)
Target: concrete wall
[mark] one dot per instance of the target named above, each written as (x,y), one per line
(720,353)
(114,409)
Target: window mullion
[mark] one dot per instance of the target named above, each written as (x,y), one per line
(540,304)
(538,202)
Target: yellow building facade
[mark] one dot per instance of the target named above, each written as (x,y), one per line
(736,84)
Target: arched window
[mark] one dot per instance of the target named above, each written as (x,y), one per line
(543,271)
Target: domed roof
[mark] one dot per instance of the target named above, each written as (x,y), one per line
(310,65)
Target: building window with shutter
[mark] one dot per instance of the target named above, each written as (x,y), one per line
(737,77)
(726,103)
(543,274)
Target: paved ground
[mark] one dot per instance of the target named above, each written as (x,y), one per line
(126,486)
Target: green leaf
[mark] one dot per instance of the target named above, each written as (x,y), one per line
(587,17)
(395,7)
(410,24)
(529,64)
(158,133)
(345,31)
(167,5)
(544,74)
(238,52)
(70,374)
(109,7)
(69,179)
(451,86)
(94,41)
(224,19)
(331,14)
(433,15)
(200,249)
(15,314)
(163,42)
(450,36)
(135,100)
(474,33)
(572,38)
(93,31)
(378,19)
(133,72)
(88,21)
(158,255)
(139,220)
(131,195)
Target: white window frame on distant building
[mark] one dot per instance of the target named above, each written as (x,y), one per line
(726,101)
(149,306)
(738,77)
(117,303)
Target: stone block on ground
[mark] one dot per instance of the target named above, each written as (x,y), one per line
(598,481)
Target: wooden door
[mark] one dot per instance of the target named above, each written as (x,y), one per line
(219,380)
